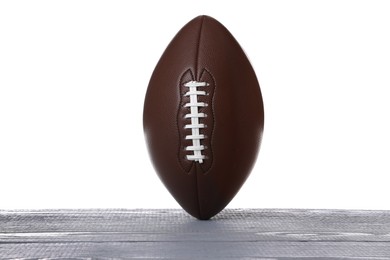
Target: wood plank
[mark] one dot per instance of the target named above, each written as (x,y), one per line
(197,250)
(172,234)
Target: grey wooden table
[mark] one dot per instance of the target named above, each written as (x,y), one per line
(172,234)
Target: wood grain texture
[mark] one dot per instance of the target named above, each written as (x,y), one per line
(172,234)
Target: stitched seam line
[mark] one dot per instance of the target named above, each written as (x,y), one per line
(197,48)
(196,78)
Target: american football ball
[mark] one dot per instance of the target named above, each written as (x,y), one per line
(203,117)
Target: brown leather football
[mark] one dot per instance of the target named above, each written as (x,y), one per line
(203,117)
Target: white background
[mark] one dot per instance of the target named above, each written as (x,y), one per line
(73,76)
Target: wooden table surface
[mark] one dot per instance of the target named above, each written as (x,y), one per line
(172,234)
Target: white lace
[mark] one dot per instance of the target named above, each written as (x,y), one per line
(194,115)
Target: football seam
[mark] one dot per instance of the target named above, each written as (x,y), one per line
(198,47)
(196,74)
